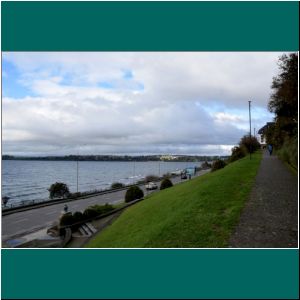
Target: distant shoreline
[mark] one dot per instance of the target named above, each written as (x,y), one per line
(144,158)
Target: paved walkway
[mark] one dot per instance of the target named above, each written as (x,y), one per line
(270,217)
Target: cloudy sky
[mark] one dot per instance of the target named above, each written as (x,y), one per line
(132,102)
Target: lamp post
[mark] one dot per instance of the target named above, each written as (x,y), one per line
(77,168)
(133,179)
(250,126)
(159,168)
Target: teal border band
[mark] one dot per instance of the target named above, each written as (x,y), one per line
(145,26)
(132,274)
(150,26)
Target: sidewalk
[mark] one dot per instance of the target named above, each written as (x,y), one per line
(270,216)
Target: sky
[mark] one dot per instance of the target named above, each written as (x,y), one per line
(188,103)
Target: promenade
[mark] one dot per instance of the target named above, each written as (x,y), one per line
(270,217)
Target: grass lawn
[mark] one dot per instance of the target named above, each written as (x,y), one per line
(197,213)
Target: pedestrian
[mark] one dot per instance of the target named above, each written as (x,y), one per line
(270,148)
(66,208)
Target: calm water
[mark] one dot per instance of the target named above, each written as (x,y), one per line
(29,180)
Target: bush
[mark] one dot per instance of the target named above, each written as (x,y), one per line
(167,175)
(251,144)
(58,189)
(218,164)
(90,213)
(289,152)
(75,195)
(66,219)
(237,153)
(5,200)
(78,217)
(117,185)
(102,209)
(166,183)
(205,165)
(133,193)
(151,178)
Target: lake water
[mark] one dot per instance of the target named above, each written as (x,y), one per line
(29,180)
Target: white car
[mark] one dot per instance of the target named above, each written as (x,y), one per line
(151,186)
(177,172)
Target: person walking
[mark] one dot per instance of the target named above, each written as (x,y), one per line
(270,148)
(66,208)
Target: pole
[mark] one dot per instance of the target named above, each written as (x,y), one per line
(133,171)
(159,168)
(77,173)
(250,126)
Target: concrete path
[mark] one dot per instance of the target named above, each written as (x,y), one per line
(270,217)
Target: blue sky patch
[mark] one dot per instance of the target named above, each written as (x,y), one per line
(11,87)
(127,74)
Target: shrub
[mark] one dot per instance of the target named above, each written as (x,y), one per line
(206,165)
(289,151)
(58,189)
(5,200)
(167,175)
(133,193)
(166,183)
(218,164)
(117,185)
(102,209)
(90,213)
(66,219)
(251,144)
(237,153)
(78,216)
(75,195)
(151,178)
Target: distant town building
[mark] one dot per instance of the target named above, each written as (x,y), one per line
(168,157)
(262,133)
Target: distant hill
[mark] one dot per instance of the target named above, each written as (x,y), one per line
(178,158)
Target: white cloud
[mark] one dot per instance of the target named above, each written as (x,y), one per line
(173,102)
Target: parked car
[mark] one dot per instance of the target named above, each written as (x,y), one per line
(183,176)
(177,172)
(151,186)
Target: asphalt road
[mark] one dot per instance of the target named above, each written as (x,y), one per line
(26,221)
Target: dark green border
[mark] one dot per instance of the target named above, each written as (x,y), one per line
(150,26)
(157,26)
(132,274)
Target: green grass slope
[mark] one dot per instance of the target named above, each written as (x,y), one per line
(198,213)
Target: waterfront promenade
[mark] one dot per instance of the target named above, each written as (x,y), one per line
(270,216)
(20,223)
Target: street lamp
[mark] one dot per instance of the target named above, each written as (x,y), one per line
(78,167)
(250,126)
(159,168)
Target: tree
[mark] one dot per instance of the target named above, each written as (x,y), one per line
(284,99)
(117,185)
(166,183)
(58,189)
(251,144)
(133,193)
(5,200)
(237,153)
(218,164)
